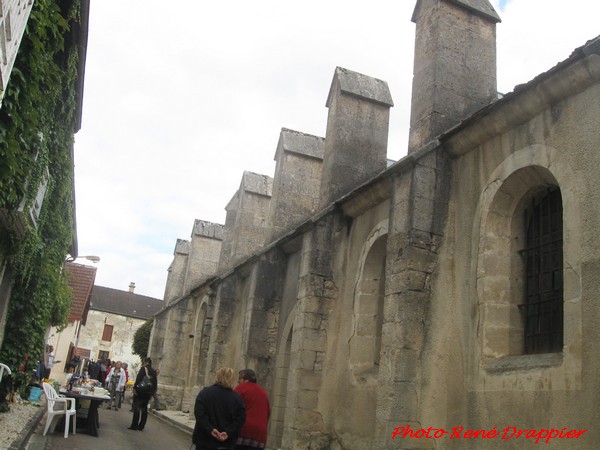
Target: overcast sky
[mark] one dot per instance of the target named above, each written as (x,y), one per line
(180,100)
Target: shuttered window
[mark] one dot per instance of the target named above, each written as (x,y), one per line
(107,333)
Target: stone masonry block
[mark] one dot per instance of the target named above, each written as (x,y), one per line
(424,181)
(310,320)
(330,289)
(320,262)
(365,325)
(317,305)
(415,258)
(257,343)
(311,285)
(320,359)
(307,359)
(406,364)
(309,379)
(422,213)
(308,399)
(421,239)
(309,420)
(314,339)
(416,280)
(259,317)
(399,401)
(407,280)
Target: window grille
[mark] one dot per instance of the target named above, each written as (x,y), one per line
(543,308)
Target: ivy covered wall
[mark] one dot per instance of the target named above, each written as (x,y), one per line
(38,118)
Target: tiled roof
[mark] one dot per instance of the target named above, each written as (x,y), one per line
(124,303)
(80,279)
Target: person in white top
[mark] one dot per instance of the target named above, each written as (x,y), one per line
(116,380)
(49,360)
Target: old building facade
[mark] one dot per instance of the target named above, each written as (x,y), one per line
(112,320)
(454,288)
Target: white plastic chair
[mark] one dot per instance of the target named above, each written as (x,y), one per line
(4,368)
(58,406)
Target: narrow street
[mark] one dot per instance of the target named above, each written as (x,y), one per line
(114,435)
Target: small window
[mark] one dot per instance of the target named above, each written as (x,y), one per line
(107,333)
(102,355)
(543,258)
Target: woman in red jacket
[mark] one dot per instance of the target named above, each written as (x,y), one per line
(258,410)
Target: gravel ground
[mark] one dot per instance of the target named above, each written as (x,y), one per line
(15,421)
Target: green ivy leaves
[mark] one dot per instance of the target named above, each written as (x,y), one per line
(37,120)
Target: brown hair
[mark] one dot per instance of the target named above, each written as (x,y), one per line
(248,375)
(225,377)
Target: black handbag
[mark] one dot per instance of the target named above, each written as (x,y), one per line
(145,386)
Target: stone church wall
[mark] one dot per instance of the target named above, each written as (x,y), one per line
(504,386)
(395,300)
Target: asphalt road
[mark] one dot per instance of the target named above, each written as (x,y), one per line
(114,435)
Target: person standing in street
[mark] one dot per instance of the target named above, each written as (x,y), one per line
(258,409)
(219,412)
(116,384)
(142,397)
(49,360)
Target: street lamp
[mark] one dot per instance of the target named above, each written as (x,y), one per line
(93,258)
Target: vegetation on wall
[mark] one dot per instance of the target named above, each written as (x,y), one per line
(141,339)
(36,133)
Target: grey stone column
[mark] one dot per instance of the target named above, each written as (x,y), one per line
(420,205)
(357,133)
(454,67)
(262,316)
(205,250)
(246,226)
(317,295)
(225,304)
(174,360)
(176,272)
(297,180)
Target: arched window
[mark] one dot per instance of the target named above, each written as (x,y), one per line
(365,341)
(528,275)
(520,267)
(200,347)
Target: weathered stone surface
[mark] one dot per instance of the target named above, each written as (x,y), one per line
(299,159)
(397,300)
(357,129)
(455,73)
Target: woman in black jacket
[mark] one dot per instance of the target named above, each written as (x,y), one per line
(219,412)
(141,399)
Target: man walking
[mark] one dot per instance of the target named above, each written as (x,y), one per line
(258,410)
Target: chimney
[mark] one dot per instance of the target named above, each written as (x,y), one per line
(357,133)
(299,162)
(246,224)
(454,71)
(131,287)
(176,271)
(204,253)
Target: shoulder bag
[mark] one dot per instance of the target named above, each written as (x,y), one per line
(145,386)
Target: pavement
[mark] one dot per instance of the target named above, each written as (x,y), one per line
(169,430)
